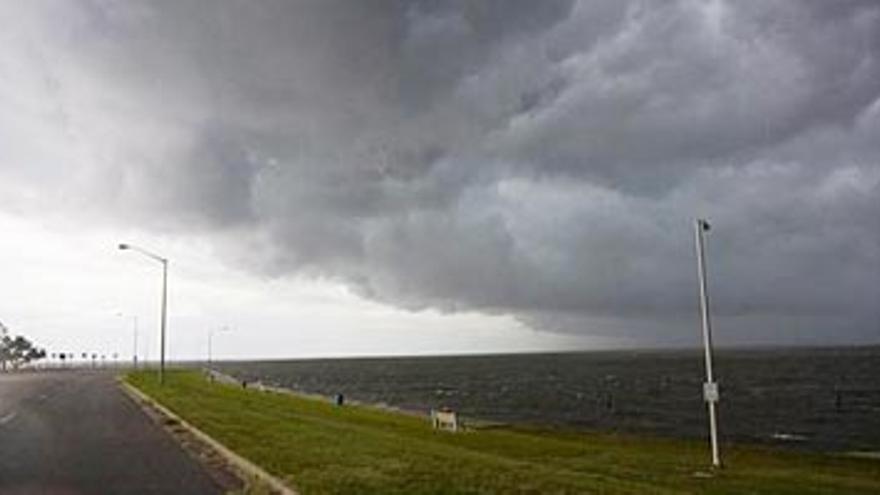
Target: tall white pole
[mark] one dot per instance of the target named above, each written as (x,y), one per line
(210,334)
(710,388)
(164,319)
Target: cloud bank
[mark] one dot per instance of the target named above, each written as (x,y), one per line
(540,159)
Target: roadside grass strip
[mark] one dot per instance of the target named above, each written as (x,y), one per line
(317,448)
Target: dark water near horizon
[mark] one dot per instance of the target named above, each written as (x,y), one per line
(824,399)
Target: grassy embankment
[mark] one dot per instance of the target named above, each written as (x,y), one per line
(320,448)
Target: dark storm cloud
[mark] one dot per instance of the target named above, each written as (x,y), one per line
(541,159)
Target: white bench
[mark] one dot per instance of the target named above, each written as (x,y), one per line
(444,420)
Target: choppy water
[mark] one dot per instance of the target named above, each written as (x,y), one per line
(825,399)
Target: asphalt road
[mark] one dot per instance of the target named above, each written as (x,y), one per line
(72,433)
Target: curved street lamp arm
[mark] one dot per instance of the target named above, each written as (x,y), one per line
(143,251)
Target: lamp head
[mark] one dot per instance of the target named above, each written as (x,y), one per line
(123,246)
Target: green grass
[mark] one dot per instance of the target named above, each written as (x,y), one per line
(320,448)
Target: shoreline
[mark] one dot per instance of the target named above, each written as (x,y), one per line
(785,441)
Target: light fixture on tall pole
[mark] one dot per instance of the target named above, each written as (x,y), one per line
(710,388)
(164,314)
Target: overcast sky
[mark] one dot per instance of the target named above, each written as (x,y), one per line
(339,177)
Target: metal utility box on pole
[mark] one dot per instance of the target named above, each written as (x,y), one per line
(710,388)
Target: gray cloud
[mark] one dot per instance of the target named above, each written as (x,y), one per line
(540,159)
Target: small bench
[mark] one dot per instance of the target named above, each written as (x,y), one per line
(445,420)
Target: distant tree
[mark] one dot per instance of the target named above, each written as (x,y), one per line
(17,351)
(36,354)
(5,351)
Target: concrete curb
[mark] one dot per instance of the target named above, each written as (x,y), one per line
(245,466)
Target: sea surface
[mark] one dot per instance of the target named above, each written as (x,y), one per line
(816,399)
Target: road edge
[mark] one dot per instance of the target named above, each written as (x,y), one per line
(243,465)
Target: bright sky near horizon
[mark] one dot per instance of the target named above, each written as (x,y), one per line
(373,178)
(76,292)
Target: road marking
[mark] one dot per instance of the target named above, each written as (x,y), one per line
(9,417)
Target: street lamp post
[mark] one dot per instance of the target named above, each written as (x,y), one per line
(710,388)
(164,315)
